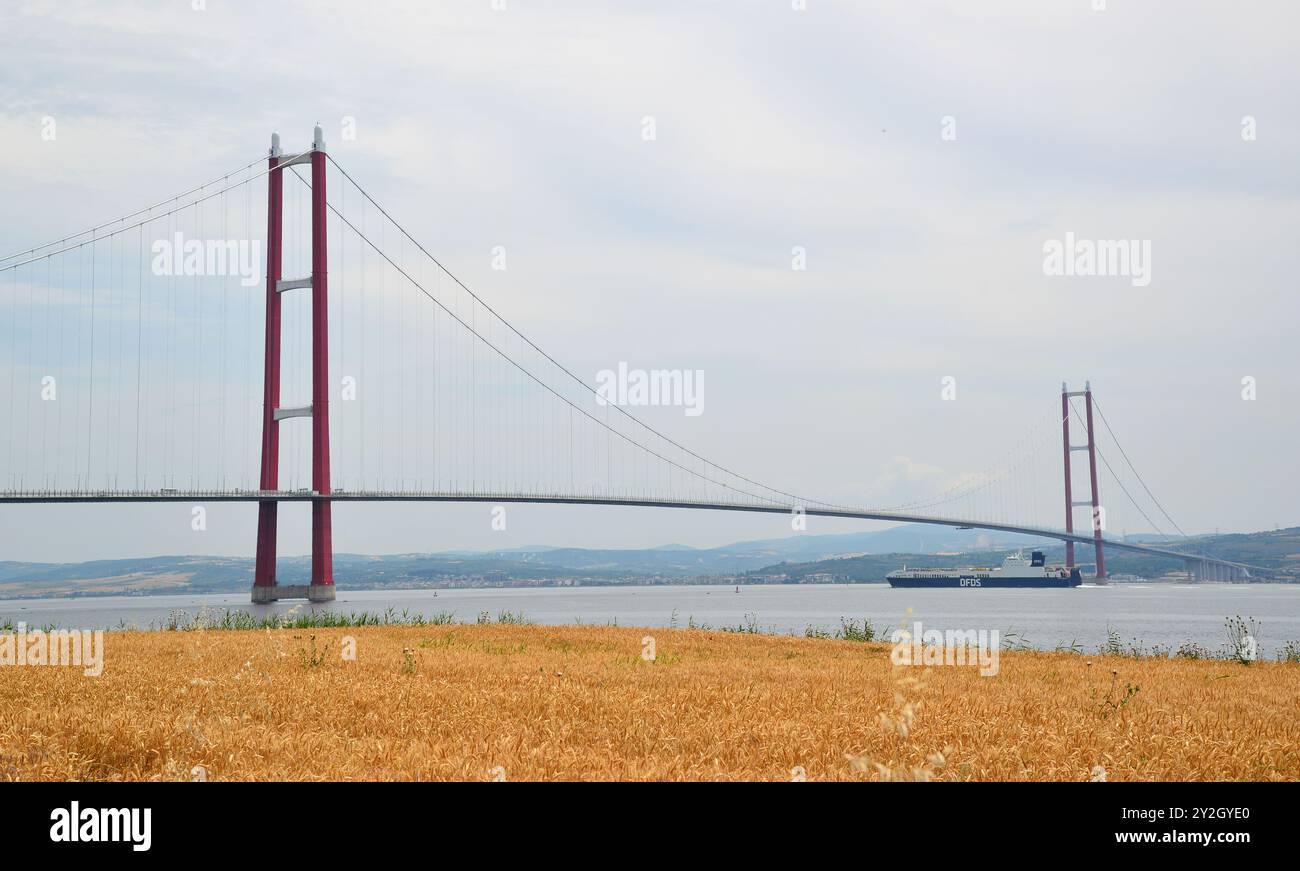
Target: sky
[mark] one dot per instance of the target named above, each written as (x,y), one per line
(827,208)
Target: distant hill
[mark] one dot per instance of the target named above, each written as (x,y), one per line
(853,557)
(208,574)
(1278,551)
(743,556)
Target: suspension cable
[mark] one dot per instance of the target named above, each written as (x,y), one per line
(1084,424)
(1123,453)
(98,227)
(539,381)
(798,500)
(143,223)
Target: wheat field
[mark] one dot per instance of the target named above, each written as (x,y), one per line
(519,702)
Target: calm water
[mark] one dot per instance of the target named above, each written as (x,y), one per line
(1154,614)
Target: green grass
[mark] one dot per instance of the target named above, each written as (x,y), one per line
(748,627)
(854,630)
(179,621)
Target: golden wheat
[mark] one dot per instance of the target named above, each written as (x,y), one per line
(536,702)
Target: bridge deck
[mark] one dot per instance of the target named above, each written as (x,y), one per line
(104,496)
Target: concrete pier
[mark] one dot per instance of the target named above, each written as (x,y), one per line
(276,592)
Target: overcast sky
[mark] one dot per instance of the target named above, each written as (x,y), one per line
(921,154)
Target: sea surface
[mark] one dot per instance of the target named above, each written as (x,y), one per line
(1148,614)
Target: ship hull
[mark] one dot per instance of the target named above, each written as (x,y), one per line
(975,583)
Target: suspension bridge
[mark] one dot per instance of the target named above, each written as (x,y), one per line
(133,376)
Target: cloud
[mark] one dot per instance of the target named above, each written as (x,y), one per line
(774,129)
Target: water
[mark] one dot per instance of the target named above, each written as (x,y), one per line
(1155,614)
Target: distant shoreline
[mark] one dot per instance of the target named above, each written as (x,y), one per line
(567,583)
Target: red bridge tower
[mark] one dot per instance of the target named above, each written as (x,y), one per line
(265,588)
(1094,500)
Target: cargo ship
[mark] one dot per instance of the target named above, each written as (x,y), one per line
(1015,571)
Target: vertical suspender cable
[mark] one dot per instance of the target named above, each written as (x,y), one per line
(90,408)
(139,350)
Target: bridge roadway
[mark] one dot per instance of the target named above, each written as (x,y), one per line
(127,496)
